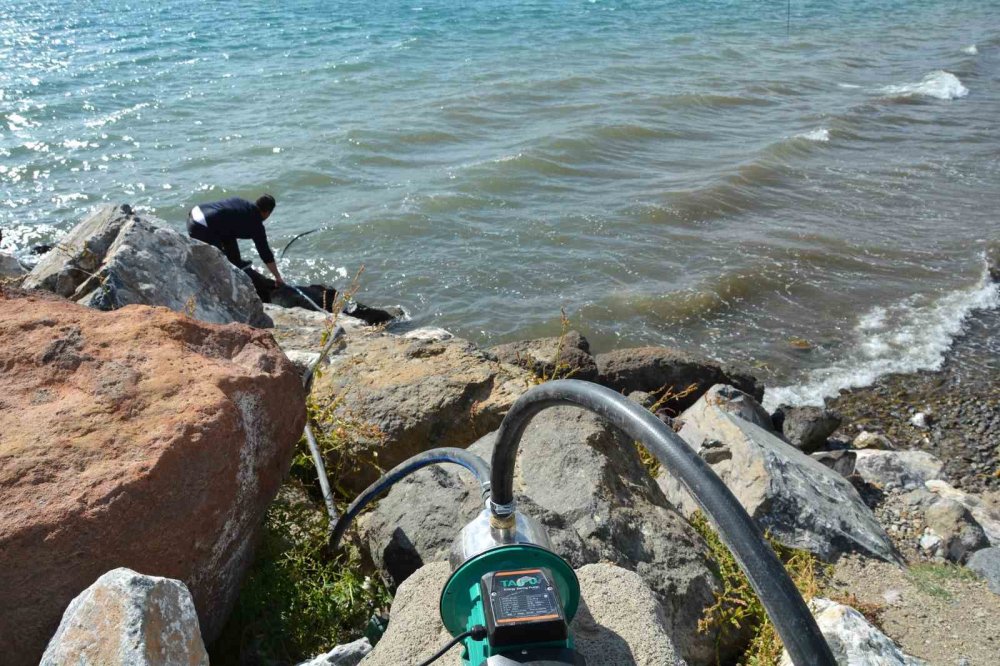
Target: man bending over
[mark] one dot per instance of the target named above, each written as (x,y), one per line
(222,222)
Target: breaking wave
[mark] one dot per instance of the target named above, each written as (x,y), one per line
(939,84)
(913,334)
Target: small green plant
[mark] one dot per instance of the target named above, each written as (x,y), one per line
(560,368)
(348,445)
(666,396)
(932,578)
(295,602)
(737,607)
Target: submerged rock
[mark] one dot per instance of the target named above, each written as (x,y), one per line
(138,438)
(127,619)
(618,621)
(585,483)
(800,501)
(116,258)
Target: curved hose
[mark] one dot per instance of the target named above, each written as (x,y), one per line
(469,461)
(784,605)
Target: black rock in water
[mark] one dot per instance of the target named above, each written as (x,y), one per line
(313,296)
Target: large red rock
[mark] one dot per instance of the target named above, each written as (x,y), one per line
(137,438)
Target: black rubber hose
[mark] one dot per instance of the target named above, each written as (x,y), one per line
(784,604)
(469,461)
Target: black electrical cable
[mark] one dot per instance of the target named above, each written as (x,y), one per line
(477,633)
(469,461)
(784,604)
(305,233)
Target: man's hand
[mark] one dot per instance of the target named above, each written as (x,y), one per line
(273,267)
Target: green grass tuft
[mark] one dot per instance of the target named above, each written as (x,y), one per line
(295,602)
(931,578)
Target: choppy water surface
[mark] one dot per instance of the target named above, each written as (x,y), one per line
(708,175)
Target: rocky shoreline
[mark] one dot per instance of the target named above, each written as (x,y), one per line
(887,478)
(959,407)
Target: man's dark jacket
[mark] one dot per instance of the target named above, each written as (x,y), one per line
(234,218)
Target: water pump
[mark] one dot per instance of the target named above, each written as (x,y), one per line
(510,599)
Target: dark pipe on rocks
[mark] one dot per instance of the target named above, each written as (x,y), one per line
(466,459)
(789,613)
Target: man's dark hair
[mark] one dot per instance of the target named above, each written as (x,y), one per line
(266,203)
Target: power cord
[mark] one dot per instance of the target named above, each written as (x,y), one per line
(477,633)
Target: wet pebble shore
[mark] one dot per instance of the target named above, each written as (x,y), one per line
(960,404)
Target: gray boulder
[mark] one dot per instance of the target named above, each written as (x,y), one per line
(807,428)
(890,470)
(852,639)
(803,503)
(618,621)
(842,462)
(10,267)
(986,563)
(562,357)
(986,514)
(116,258)
(587,486)
(655,368)
(958,534)
(78,255)
(406,396)
(128,619)
(349,654)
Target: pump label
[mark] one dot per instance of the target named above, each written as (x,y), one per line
(523,596)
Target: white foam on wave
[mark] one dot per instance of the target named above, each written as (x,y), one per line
(114,117)
(16,122)
(914,334)
(971,50)
(822,134)
(939,84)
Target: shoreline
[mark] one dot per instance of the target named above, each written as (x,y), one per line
(960,403)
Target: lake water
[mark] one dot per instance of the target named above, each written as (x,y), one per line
(810,191)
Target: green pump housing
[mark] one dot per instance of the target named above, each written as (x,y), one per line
(534,597)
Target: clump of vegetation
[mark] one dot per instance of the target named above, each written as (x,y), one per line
(737,607)
(296,602)
(665,395)
(347,445)
(932,578)
(560,368)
